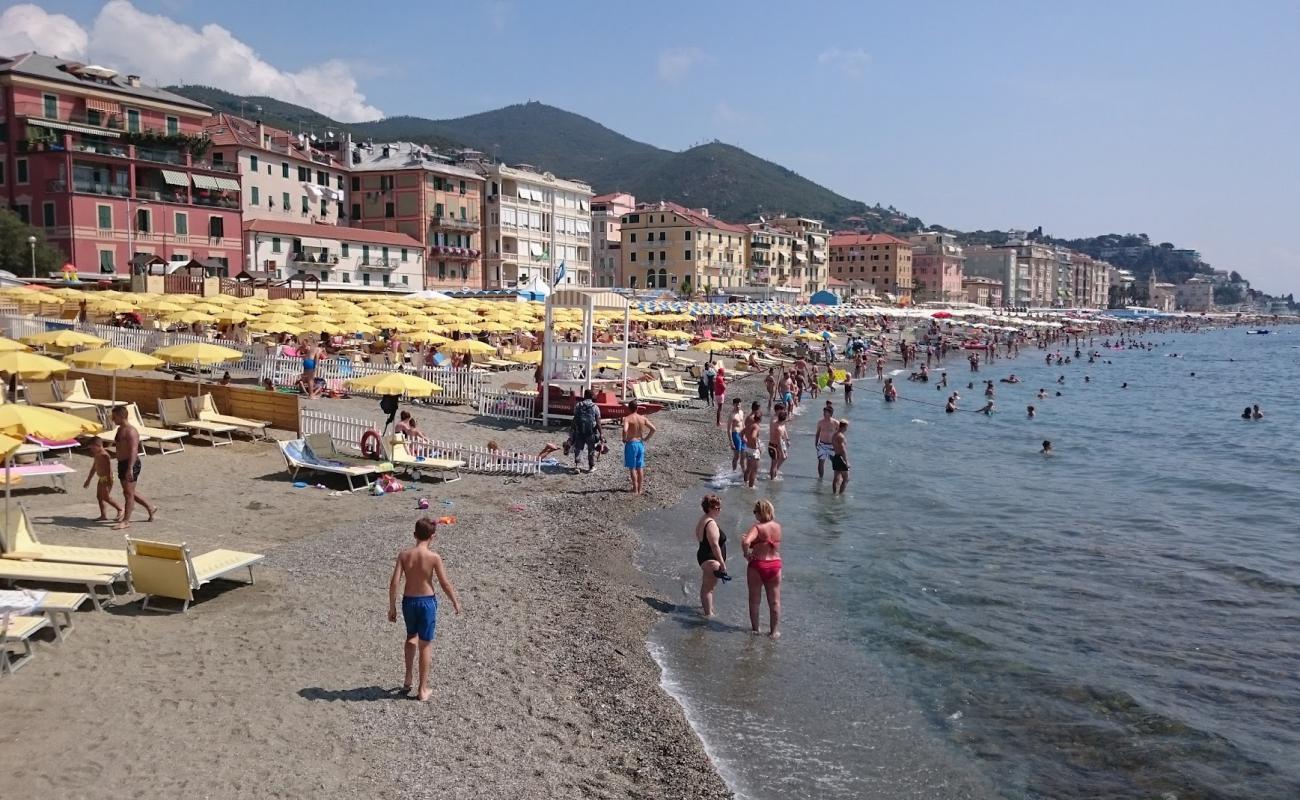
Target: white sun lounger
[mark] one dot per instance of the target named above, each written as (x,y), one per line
(15,628)
(168,570)
(18,542)
(418,466)
(175,413)
(205,408)
(93,577)
(297,460)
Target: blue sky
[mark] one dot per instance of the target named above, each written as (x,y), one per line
(1177,119)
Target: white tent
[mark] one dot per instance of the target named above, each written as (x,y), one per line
(428,294)
(537,286)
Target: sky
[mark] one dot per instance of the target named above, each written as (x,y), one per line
(1180,120)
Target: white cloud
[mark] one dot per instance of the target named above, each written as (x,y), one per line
(25,27)
(675,64)
(853,63)
(165,51)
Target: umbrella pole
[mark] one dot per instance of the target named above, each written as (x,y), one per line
(9,460)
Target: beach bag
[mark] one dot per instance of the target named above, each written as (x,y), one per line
(586,423)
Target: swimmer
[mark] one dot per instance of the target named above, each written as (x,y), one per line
(840,460)
(987,409)
(1031,412)
(951,405)
(1042,394)
(1125,386)
(1047,448)
(778,441)
(1246,413)
(1256,413)
(890,391)
(825,433)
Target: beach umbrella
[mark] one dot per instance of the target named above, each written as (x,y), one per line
(64,338)
(394,383)
(20,421)
(428,337)
(526,357)
(190,317)
(711,346)
(772,327)
(468,346)
(198,354)
(10,346)
(113,359)
(29,365)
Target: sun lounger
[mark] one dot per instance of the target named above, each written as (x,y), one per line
(322,446)
(54,470)
(57,447)
(298,459)
(41,393)
(657,389)
(160,569)
(156,436)
(19,542)
(205,408)
(19,629)
(91,576)
(58,607)
(419,465)
(175,413)
(76,391)
(645,390)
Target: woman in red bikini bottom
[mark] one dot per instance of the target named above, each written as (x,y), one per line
(761,546)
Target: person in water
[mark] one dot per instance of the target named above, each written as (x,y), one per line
(1047,448)
(1256,413)
(1031,412)
(840,459)
(761,547)
(951,405)
(1246,413)
(710,551)
(822,435)
(778,441)
(890,391)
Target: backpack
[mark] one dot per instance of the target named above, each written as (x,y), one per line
(586,420)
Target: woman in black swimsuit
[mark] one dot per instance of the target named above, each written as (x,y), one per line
(711,552)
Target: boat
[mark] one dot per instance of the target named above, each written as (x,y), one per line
(1258,332)
(563,401)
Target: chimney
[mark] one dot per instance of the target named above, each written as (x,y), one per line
(704,212)
(261,134)
(133,80)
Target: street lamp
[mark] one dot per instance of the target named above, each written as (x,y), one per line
(31,244)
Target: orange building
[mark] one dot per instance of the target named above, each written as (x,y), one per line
(873,264)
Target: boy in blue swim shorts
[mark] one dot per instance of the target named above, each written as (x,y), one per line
(637,430)
(419,565)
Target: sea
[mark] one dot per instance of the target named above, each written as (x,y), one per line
(1120,619)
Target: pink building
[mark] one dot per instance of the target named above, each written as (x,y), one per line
(606,237)
(937,267)
(113,170)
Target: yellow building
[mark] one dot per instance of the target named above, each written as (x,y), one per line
(873,264)
(667,246)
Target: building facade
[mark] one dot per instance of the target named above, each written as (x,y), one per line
(1196,295)
(772,265)
(111,169)
(607,212)
(873,264)
(1089,280)
(686,250)
(937,267)
(408,188)
(999,265)
(811,268)
(534,223)
(1036,278)
(982,291)
(343,258)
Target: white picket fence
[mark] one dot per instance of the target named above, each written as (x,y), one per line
(458,386)
(347,432)
(507,405)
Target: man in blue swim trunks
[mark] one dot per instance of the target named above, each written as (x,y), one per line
(419,565)
(734,425)
(637,430)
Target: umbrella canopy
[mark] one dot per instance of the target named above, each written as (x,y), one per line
(527,357)
(190,317)
(197,353)
(774,328)
(29,365)
(712,346)
(428,337)
(8,445)
(20,420)
(64,338)
(942,314)
(394,383)
(468,346)
(9,345)
(113,358)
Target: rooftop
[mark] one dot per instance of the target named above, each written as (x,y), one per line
(227,130)
(695,216)
(91,78)
(340,233)
(849,239)
(387,156)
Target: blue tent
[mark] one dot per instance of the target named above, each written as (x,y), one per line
(824,298)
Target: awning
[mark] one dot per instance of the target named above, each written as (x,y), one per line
(312,189)
(103,106)
(536,194)
(524,193)
(205,182)
(176,178)
(535,249)
(229,184)
(68,126)
(800,257)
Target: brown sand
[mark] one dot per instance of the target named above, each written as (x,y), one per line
(289,688)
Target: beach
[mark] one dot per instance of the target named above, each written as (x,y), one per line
(543,687)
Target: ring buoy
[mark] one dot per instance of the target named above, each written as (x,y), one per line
(370,444)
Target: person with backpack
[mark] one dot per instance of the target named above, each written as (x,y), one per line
(584,431)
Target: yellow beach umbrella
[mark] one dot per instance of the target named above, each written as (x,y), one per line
(23,420)
(29,365)
(64,338)
(197,353)
(190,317)
(9,345)
(428,337)
(772,327)
(711,346)
(113,359)
(468,346)
(394,383)
(276,327)
(527,357)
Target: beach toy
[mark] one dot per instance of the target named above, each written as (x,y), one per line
(423,505)
(446,520)
(320,486)
(300,484)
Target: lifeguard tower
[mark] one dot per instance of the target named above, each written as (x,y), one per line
(568,365)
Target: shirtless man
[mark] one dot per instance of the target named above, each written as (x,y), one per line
(637,431)
(847,383)
(734,424)
(769,383)
(840,458)
(419,565)
(880,368)
(127,448)
(822,436)
(778,441)
(749,434)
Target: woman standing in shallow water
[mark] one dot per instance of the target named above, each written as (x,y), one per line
(761,547)
(711,551)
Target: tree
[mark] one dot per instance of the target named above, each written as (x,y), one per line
(16,252)
(686,287)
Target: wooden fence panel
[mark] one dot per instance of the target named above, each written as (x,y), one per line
(280,409)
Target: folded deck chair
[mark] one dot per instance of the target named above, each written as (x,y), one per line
(160,569)
(321,446)
(93,577)
(76,391)
(19,543)
(156,436)
(205,408)
(15,628)
(175,413)
(297,459)
(418,466)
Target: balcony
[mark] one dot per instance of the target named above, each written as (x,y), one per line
(93,187)
(159,156)
(216,202)
(454,253)
(378,263)
(760,245)
(453,223)
(328,259)
(72,120)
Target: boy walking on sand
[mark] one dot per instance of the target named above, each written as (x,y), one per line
(419,565)
(102,469)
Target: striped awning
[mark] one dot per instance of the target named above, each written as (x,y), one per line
(205,182)
(228,184)
(103,106)
(75,128)
(176,178)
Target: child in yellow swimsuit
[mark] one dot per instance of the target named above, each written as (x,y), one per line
(103,470)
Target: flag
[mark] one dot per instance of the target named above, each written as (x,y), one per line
(559,276)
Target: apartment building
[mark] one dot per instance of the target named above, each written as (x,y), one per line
(535,222)
(1037,265)
(343,258)
(1196,295)
(406,188)
(607,212)
(1089,281)
(687,250)
(772,265)
(997,264)
(937,267)
(982,291)
(112,169)
(873,264)
(811,268)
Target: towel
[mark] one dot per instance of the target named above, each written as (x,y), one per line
(20,602)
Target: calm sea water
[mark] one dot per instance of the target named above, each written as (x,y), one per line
(1121,619)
